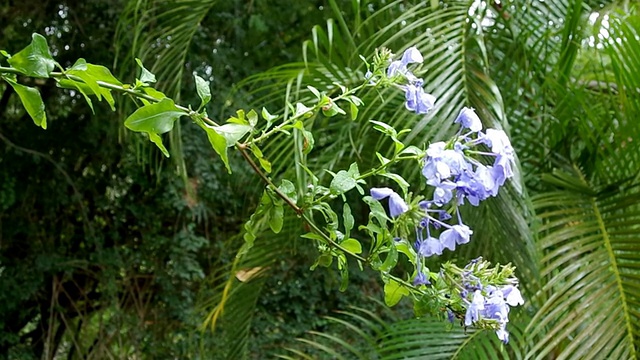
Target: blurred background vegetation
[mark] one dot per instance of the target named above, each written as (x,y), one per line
(109,250)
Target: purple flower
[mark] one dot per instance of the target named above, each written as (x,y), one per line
(499,142)
(410,56)
(485,176)
(468,187)
(397,205)
(441,163)
(502,169)
(417,100)
(457,234)
(443,193)
(469,119)
(430,246)
(502,333)
(421,279)
(450,316)
(473,310)
(512,295)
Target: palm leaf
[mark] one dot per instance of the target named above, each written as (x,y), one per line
(392,338)
(592,302)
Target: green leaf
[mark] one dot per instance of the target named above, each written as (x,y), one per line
(404,185)
(314,91)
(32,102)
(267,116)
(154,93)
(302,110)
(354,111)
(264,163)
(349,221)
(276,218)
(288,189)
(156,139)
(80,87)
(155,119)
(146,77)
(232,133)
(218,143)
(342,182)
(252,116)
(203,89)
(34,60)
(222,137)
(391,260)
(352,245)
(393,292)
(91,74)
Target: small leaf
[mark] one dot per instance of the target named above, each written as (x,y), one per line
(314,91)
(342,182)
(349,221)
(32,102)
(276,218)
(352,245)
(252,116)
(203,89)
(303,110)
(35,59)
(154,93)
(393,292)
(332,109)
(146,77)
(222,137)
(218,143)
(232,132)
(267,116)
(91,74)
(413,150)
(266,165)
(82,88)
(404,185)
(288,189)
(354,111)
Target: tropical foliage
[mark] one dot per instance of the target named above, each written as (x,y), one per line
(561,77)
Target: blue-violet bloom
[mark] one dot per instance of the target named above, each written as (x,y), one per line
(457,234)
(473,310)
(469,119)
(430,246)
(397,205)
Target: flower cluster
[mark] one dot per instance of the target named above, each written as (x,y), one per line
(457,175)
(469,168)
(490,303)
(416,99)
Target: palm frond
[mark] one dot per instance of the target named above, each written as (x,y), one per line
(591,300)
(392,338)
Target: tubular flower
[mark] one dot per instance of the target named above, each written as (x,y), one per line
(397,205)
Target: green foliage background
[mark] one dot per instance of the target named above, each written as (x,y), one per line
(108,250)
